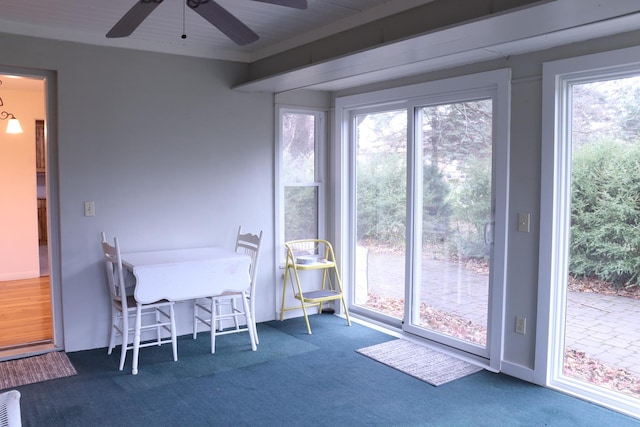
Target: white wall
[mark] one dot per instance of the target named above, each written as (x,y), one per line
(169,154)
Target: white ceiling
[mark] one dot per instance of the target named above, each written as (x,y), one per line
(543,25)
(280,28)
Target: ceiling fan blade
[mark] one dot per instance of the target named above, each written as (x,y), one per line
(297,4)
(224,21)
(133,18)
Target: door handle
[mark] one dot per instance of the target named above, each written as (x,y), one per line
(488,232)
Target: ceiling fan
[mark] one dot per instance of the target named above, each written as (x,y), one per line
(208,9)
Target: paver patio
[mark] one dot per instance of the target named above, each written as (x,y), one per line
(605,327)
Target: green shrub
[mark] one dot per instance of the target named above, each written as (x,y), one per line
(605,213)
(473,209)
(381,203)
(300,213)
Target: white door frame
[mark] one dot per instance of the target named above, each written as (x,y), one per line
(498,81)
(53,200)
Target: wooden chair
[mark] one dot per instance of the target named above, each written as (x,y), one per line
(312,254)
(211,310)
(124,306)
(10,415)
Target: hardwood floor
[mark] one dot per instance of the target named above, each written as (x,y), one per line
(25,312)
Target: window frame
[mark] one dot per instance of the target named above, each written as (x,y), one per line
(558,77)
(320,144)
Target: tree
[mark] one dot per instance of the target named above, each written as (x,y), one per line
(457,175)
(436,207)
(298,166)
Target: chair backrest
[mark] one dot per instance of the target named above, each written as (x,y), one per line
(115,273)
(10,409)
(249,244)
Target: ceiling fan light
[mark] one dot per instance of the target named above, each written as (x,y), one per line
(13,126)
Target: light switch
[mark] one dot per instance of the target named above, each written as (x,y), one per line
(523,222)
(89,209)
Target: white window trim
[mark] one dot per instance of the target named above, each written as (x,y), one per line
(321,143)
(557,77)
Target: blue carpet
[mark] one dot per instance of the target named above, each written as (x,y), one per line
(156,369)
(294,379)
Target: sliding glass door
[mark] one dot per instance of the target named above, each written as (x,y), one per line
(380,203)
(453,223)
(424,203)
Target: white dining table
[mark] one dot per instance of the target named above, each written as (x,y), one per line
(184,274)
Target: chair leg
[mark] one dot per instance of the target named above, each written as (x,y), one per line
(174,338)
(249,320)
(252,306)
(125,339)
(219,312)
(234,309)
(195,318)
(296,277)
(114,328)
(284,292)
(213,325)
(220,307)
(306,317)
(136,339)
(158,328)
(304,306)
(255,331)
(346,311)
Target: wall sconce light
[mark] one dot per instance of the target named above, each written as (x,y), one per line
(13,125)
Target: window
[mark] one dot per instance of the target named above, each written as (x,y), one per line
(589,119)
(301,135)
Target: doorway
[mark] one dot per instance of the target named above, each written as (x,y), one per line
(25,281)
(453,223)
(428,258)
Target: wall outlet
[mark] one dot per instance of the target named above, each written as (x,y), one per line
(521,325)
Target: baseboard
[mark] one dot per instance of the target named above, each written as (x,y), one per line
(20,275)
(517,371)
(290,314)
